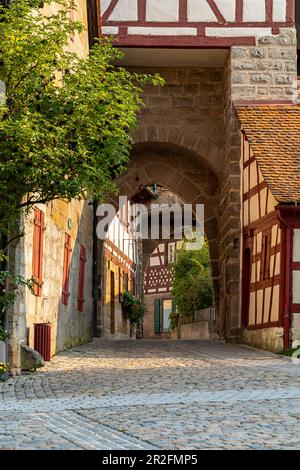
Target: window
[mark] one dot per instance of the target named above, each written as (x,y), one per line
(124,214)
(66,270)
(37,255)
(265,256)
(112,303)
(82,261)
(167,310)
(171,253)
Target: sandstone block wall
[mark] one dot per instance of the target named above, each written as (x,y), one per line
(69,326)
(267,71)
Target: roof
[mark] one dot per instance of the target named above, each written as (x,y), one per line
(273,132)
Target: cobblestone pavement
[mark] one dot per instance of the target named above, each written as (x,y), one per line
(154,395)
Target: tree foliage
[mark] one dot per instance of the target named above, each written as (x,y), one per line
(192,286)
(66,123)
(65,127)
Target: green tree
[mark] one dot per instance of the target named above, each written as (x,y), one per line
(192,286)
(65,128)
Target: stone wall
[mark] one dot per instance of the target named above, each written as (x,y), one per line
(203,327)
(267,71)
(230,222)
(186,112)
(69,326)
(270,339)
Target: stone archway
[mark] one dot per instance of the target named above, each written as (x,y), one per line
(187,175)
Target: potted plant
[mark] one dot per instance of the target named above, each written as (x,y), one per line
(133,309)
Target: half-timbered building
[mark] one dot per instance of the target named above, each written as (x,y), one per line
(271,220)
(119,263)
(158,281)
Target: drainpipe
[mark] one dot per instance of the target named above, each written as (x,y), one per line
(286,317)
(286,265)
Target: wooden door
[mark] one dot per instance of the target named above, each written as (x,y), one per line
(112,303)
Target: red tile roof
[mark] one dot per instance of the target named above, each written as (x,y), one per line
(273,132)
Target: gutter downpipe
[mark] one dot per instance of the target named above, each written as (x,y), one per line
(286,279)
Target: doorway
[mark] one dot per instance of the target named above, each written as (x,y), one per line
(112,303)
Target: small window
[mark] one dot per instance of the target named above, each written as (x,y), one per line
(167,310)
(265,256)
(171,253)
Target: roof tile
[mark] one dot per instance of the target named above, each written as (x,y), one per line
(274,134)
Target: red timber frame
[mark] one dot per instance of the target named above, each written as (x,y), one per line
(289,219)
(199,40)
(160,275)
(126,268)
(264,224)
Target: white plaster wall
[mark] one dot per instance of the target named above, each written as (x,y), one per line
(227,8)
(238,32)
(296,287)
(199,10)
(166,10)
(104,4)
(254,10)
(157,31)
(296,255)
(279,10)
(125,10)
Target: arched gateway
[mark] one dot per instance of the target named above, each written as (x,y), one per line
(214,57)
(217,57)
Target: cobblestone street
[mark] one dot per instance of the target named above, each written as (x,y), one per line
(154,395)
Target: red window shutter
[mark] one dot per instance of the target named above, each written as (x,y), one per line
(66,270)
(37,255)
(82,261)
